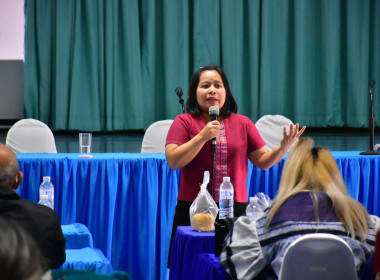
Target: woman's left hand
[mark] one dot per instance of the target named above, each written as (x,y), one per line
(264,159)
(289,138)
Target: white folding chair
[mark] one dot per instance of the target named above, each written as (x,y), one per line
(155,137)
(318,256)
(270,128)
(30,136)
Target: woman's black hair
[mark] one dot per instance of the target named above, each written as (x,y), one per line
(192,105)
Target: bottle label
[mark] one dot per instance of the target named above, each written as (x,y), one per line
(226,194)
(226,204)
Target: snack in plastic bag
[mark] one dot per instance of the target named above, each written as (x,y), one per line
(203,222)
(203,210)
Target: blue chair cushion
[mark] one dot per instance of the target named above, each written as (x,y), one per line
(87,259)
(78,236)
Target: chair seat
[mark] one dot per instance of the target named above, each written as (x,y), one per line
(78,236)
(87,259)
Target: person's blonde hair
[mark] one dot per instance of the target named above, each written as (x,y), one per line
(309,168)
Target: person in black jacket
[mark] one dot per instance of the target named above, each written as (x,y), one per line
(40,222)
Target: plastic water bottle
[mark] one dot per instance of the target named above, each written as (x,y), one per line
(46,193)
(253,210)
(226,199)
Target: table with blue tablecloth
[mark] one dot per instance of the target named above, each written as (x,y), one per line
(193,256)
(361,174)
(207,267)
(128,200)
(187,245)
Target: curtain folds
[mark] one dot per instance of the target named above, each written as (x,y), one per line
(113,65)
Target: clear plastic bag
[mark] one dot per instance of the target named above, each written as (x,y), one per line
(263,200)
(203,210)
(257,205)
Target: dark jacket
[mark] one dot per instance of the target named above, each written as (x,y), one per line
(41,222)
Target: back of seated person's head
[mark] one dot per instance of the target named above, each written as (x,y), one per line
(308,168)
(10,176)
(19,255)
(51,243)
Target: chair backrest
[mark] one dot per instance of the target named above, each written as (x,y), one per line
(271,127)
(318,256)
(155,137)
(30,136)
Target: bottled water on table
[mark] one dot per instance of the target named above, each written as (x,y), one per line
(226,199)
(253,210)
(46,193)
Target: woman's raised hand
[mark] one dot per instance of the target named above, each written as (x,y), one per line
(289,138)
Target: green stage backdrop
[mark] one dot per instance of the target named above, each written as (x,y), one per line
(111,65)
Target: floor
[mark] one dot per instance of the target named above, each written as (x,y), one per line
(130,141)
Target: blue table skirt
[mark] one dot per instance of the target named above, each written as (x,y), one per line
(128,200)
(208,267)
(187,245)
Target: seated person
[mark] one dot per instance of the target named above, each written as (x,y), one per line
(312,197)
(19,255)
(39,221)
(377,256)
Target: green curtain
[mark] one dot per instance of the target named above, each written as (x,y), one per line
(113,65)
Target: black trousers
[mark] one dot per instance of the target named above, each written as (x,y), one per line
(182,217)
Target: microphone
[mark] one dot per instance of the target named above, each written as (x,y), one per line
(371,124)
(213,111)
(371,84)
(179,93)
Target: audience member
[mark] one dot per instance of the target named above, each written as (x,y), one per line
(38,221)
(312,197)
(377,256)
(19,255)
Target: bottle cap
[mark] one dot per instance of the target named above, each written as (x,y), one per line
(46,178)
(226,179)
